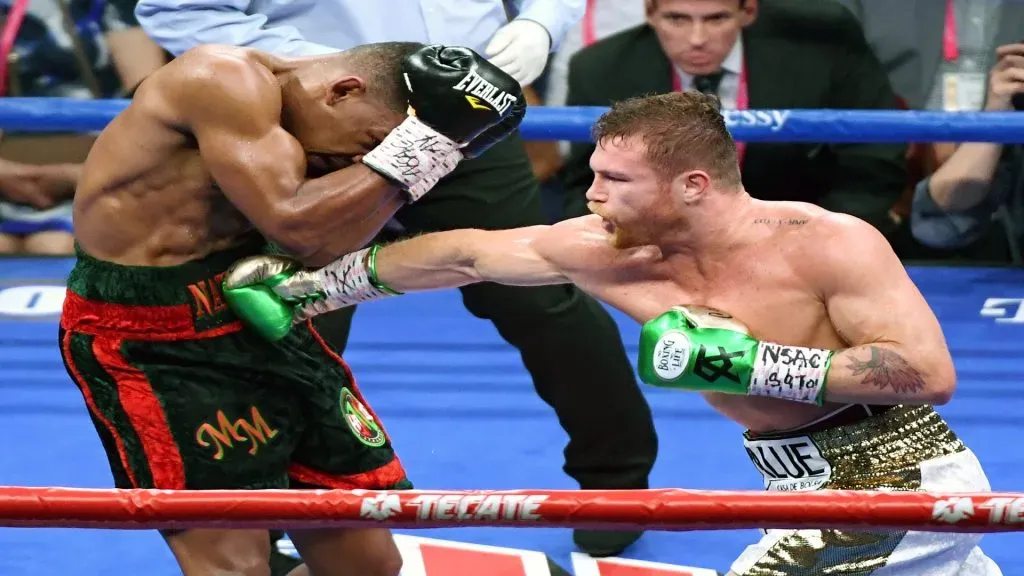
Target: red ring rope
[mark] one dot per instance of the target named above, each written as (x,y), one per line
(621,509)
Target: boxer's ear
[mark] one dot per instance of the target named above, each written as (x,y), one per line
(748,12)
(691,186)
(649,7)
(344,88)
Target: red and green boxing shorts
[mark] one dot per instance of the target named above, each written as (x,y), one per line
(184,398)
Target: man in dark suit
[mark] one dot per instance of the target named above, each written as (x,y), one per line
(937,54)
(908,39)
(776,54)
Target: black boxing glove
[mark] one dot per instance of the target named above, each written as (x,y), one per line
(498,132)
(458,92)
(456,95)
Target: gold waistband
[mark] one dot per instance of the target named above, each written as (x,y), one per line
(884,451)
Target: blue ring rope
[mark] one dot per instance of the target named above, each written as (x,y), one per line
(42,115)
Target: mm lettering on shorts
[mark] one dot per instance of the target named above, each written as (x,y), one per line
(477,88)
(209,308)
(790,464)
(711,367)
(225,433)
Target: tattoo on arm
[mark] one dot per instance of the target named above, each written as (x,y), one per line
(781,221)
(887,369)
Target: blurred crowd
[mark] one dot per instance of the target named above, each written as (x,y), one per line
(934,201)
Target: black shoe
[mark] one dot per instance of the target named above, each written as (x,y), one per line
(604,543)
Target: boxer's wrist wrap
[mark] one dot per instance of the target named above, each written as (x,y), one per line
(415,157)
(790,373)
(371,267)
(348,280)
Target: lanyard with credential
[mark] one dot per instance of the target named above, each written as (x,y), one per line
(15,18)
(950,47)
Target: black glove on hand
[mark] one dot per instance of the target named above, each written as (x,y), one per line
(461,105)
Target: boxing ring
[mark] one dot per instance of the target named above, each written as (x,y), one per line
(450,389)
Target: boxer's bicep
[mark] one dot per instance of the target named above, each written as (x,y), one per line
(869,296)
(234,114)
(258,173)
(895,348)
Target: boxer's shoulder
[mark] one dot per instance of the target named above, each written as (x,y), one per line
(212,80)
(208,60)
(833,247)
(834,230)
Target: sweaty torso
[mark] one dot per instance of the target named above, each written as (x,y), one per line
(146,197)
(756,282)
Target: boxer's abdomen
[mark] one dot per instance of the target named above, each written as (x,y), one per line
(761,414)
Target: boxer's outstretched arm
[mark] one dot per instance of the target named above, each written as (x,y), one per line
(459,257)
(234,111)
(898,354)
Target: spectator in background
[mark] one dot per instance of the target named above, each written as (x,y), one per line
(568,342)
(771,55)
(70,49)
(601,19)
(937,54)
(35,208)
(546,161)
(981,183)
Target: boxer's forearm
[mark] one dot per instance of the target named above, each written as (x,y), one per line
(459,257)
(885,373)
(963,181)
(340,213)
(428,262)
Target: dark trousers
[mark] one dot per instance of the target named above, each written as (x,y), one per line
(569,344)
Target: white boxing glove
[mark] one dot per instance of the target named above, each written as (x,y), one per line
(415,156)
(520,49)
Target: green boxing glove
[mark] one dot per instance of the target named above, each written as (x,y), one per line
(698,348)
(272,293)
(249,289)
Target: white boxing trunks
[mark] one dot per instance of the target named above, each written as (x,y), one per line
(867,448)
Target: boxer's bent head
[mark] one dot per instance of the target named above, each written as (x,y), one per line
(657,159)
(346,103)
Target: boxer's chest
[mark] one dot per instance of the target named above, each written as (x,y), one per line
(775,304)
(760,292)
